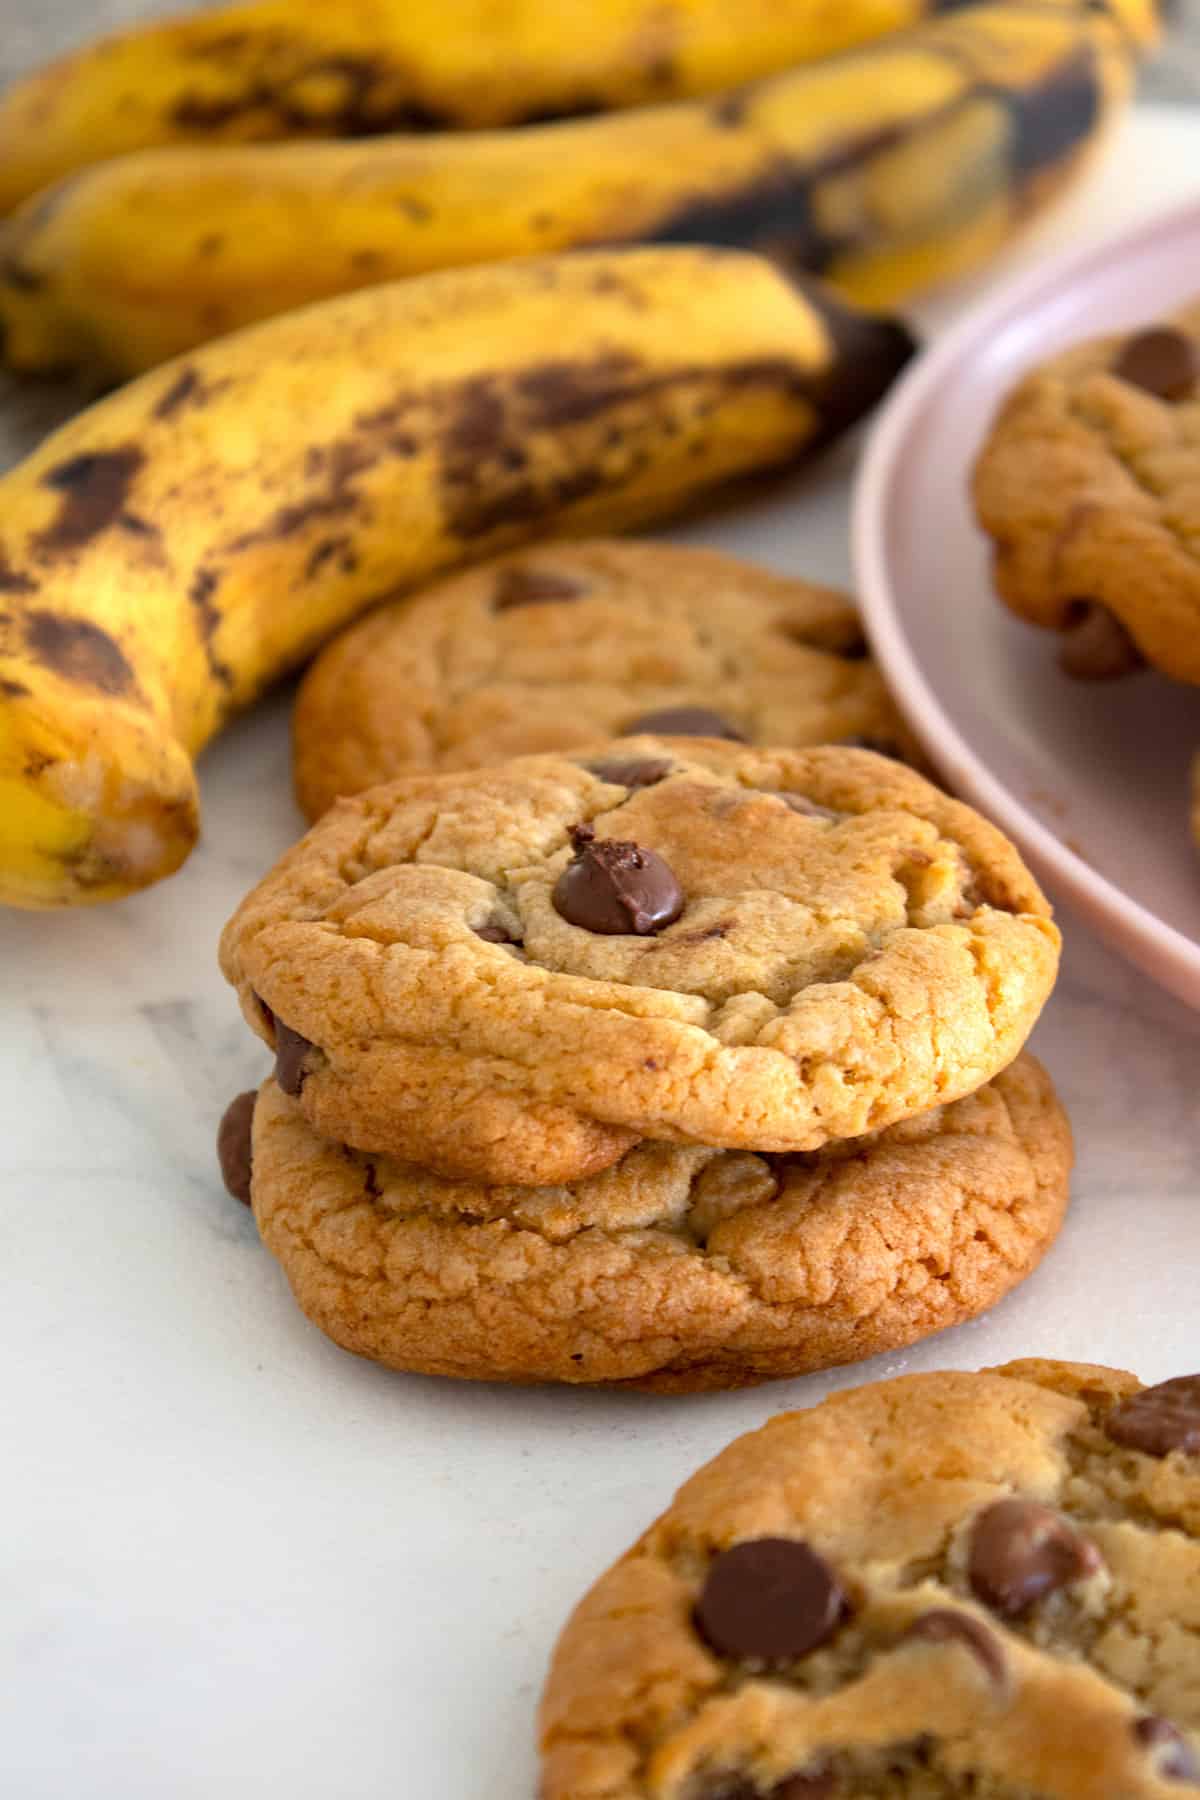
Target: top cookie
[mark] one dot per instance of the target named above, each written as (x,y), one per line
(571,643)
(1089,486)
(945,1585)
(513,973)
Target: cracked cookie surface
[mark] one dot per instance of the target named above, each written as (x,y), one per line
(569,644)
(679,1268)
(440,967)
(1089,486)
(939,1586)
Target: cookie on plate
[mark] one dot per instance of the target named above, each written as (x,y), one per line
(943,1585)
(514,973)
(568,644)
(1089,487)
(677,1269)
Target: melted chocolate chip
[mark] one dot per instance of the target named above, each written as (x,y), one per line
(946,1626)
(494,934)
(1095,645)
(636,772)
(533,587)
(290,1052)
(1160,1419)
(1161,362)
(685,721)
(233,1145)
(1022,1551)
(616,888)
(770,1600)
(1173,1755)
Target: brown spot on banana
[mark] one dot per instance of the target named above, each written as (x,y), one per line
(14,690)
(79,651)
(1056,116)
(14,581)
(187,389)
(203,586)
(295,93)
(94,489)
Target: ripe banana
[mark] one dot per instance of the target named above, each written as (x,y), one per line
(883,170)
(167,555)
(346,68)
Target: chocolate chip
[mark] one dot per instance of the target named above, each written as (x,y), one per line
(1095,645)
(946,1626)
(616,888)
(290,1052)
(233,1145)
(494,934)
(533,587)
(685,721)
(770,1600)
(808,809)
(1175,1757)
(1021,1551)
(1160,1419)
(1161,361)
(635,773)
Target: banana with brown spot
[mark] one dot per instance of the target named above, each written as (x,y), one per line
(169,554)
(903,164)
(345,68)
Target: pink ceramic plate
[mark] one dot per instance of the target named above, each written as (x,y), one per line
(1091,780)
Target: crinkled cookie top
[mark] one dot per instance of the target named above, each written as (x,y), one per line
(681,939)
(565,644)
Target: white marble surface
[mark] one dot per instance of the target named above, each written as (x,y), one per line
(237,1561)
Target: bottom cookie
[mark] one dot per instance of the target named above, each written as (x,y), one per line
(679,1268)
(946,1585)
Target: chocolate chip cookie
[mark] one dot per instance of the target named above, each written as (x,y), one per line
(944,1585)
(514,973)
(568,644)
(678,1268)
(1089,487)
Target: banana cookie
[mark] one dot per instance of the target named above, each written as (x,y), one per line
(513,973)
(945,1585)
(1089,487)
(571,643)
(677,1269)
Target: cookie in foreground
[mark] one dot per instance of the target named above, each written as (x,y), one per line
(514,973)
(678,1269)
(561,646)
(1089,487)
(939,1586)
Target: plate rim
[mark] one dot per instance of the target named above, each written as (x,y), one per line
(1116,913)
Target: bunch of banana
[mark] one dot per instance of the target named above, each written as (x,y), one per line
(883,170)
(348,68)
(168,554)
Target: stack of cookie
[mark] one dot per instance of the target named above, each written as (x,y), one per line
(666,1061)
(1089,487)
